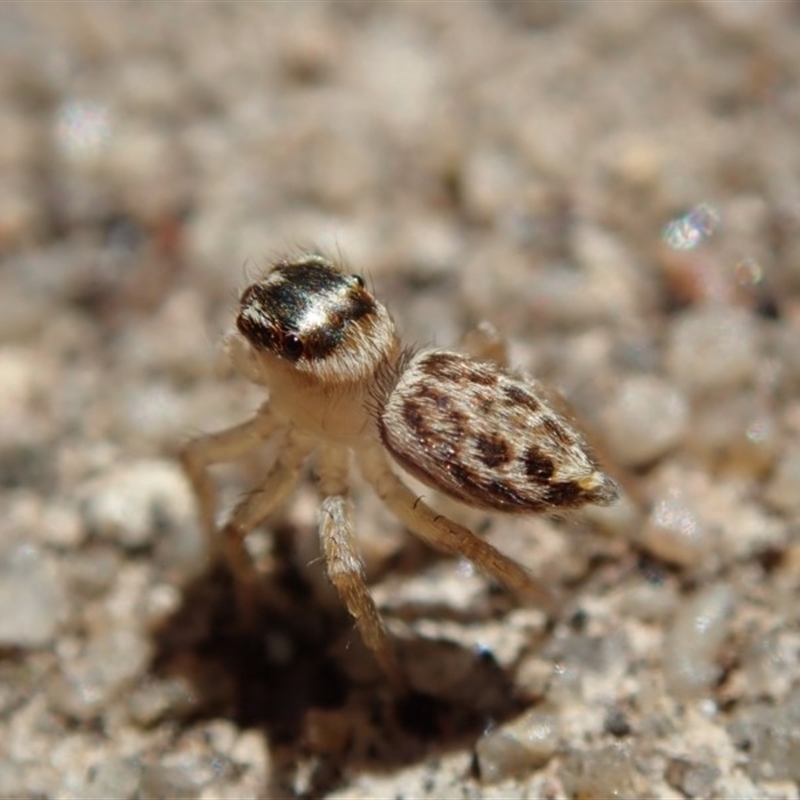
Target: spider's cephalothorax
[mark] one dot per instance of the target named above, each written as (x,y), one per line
(339,385)
(317,318)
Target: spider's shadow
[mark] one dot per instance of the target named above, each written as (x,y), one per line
(277,676)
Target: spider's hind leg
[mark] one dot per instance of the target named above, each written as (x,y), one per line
(443,534)
(485,343)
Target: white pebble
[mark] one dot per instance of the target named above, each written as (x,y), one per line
(675,532)
(646,419)
(489,178)
(25,380)
(31,598)
(607,772)
(108,665)
(693,641)
(134,503)
(522,745)
(115,779)
(714,347)
(783,490)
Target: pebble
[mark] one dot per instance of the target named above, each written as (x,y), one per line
(135,503)
(600,774)
(26,382)
(646,419)
(181,322)
(175,782)
(712,348)
(769,663)
(771,737)
(614,281)
(31,597)
(518,747)
(734,435)
(158,699)
(92,571)
(489,179)
(675,532)
(693,641)
(783,490)
(116,779)
(691,778)
(61,527)
(99,673)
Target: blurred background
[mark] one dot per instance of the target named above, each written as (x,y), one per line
(614,185)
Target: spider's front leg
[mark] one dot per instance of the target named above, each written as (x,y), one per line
(343,561)
(443,534)
(217,448)
(228,445)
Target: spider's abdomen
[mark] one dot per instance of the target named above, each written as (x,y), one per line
(487,437)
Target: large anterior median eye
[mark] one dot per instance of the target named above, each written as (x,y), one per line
(292,347)
(359,281)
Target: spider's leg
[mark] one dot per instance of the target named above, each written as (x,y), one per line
(442,533)
(251,511)
(485,342)
(216,448)
(343,561)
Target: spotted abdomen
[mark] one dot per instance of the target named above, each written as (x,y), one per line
(487,437)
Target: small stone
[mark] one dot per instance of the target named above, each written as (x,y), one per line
(736,436)
(598,774)
(91,572)
(489,179)
(518,747)
(674,530)
(646,419)
(741,17)
(616,723)
(783,489)
(26,382)
(61,527)
(532,677)
(176,782)
(713,347)
(31,597)
(158,699)
(769,662)
(135,503)
(693,779)
(771,736)
(693,641)
(27,779)
(117,779)
(102,671)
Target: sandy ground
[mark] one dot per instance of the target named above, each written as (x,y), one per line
(614,185)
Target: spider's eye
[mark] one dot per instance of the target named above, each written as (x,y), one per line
(359,281)
(248,294)
(292,347)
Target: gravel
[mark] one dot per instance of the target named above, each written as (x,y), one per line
(613,186)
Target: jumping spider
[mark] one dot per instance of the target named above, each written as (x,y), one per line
(340,383)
